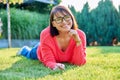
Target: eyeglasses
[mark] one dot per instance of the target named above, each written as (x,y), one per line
(60,19)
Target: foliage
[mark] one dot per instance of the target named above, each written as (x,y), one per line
(12,1)
(31,6)
(106,22)
(102,64)
(39,6)
(73,11)
(24,24)
(101,24)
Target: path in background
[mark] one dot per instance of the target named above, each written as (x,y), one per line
(17,43)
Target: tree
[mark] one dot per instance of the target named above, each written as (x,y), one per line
(101,24)
(7,2)
(119,25)
(83,19)
(105,18)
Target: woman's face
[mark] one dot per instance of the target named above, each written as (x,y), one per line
(62,21)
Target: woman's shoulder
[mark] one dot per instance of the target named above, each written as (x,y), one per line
(46,30)
(80,32)
(45,33)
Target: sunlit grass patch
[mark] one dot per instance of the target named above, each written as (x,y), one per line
(103,63)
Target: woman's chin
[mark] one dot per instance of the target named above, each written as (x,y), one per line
(66,30)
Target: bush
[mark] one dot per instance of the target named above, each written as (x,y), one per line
(101,25)
(24,24)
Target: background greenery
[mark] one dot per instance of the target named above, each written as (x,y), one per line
(101,24)
(103,63)
(24,24)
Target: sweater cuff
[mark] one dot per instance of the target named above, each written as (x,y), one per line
(51,65)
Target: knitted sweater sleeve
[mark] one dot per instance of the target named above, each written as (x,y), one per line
(79,56)
(45,51)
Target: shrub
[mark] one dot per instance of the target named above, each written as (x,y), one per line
(24,24)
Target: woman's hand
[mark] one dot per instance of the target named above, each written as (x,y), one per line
(75,36)
(59,66)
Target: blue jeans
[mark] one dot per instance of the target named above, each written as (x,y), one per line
(30,53)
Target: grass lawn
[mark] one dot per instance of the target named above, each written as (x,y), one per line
(103,63)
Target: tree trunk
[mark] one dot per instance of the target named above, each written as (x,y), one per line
(9,29)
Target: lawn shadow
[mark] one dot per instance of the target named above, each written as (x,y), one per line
(29,69)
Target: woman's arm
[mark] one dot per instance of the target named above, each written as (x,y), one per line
(79,54)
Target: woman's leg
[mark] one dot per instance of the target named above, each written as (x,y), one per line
(28,52)
(24,51)
(33,52)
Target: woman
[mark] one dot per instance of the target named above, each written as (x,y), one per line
(62,41)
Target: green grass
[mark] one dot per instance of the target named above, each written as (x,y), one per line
(103,63)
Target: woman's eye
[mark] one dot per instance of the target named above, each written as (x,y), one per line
(58,19)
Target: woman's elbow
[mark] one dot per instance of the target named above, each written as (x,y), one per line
(82,62)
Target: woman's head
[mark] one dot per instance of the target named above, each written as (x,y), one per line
(55,17)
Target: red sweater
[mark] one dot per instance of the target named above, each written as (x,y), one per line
(49,53)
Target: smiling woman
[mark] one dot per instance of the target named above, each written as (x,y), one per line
(60,42)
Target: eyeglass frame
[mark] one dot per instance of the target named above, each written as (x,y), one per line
(62,19)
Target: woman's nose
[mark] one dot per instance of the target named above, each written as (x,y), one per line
(63,21)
